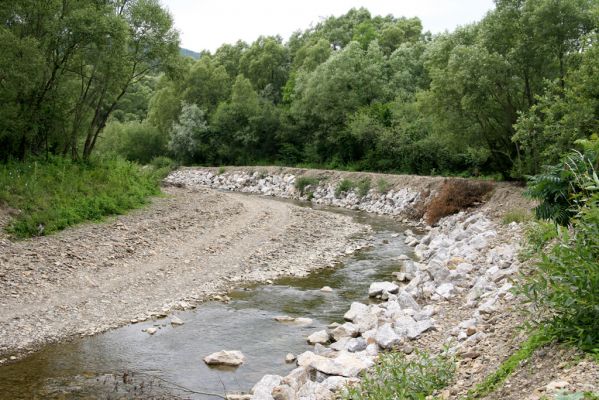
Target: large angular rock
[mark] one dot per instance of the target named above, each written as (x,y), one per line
(386,337)
(378,288)
(304,359)
(345,364)
(263,389)
(346,330)
(298,377)
(367,321)
(232,358)
(355,310)
(405,300)
(321,337)
(445,290)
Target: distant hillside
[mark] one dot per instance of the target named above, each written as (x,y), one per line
(189,53)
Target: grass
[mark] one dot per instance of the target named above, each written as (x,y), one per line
(494,381)
(303,182)
(401,377)
(517,215)
(52,195)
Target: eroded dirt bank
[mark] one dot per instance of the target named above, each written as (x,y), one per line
(184,248)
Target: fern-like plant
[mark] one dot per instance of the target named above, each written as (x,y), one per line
(563,189)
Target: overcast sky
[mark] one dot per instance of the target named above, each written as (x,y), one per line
(206,24)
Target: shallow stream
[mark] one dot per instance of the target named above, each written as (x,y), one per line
(127,363)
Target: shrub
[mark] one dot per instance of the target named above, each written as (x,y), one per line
(565,284)
(456,195)
(382,186)
(344,186)
(163,162)
(303,182)
(563,188)
(399,377)
(363,186)
(134,141)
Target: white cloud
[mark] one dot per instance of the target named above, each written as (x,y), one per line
(206,24)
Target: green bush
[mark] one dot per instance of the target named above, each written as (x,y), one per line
(163,162)
(566,283)
(303,182)
(382,186)
(363,186)
(399,377)
(564,187)
(344,186)
(54,194)
(134,141)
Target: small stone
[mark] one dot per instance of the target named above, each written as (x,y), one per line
(326,289)
(151,331)
(470,331)
(12,358)
(378,288)
(471,355)
(284,318)
(556,385)
(176,321)
(303,321)
(239,396)
(232,358)
(290,357)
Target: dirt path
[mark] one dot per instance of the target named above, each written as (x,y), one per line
(182,249)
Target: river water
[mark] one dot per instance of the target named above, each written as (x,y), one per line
(127,363)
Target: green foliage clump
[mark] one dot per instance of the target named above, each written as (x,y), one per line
(344,186)
(134,141)
(399,377)
(163,162)
(382,186)
(565,284)
(363,186)
(538,234)
(563,188)
(52,195)
(303,182)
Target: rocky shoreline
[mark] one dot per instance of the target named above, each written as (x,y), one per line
(454,296)
(458,260)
